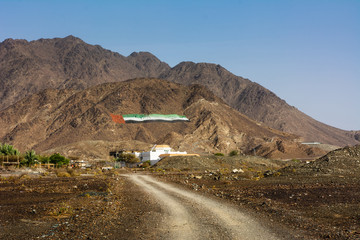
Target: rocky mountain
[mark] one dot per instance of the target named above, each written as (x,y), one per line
(29,67)
(258,103)
(54,118)
(69,63)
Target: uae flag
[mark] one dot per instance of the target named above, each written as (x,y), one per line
(141,118)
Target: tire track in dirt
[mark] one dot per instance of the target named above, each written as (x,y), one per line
(193,216)
(177,219)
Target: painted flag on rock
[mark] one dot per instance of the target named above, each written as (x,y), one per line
(117,118)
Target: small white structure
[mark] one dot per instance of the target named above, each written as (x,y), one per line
(154,155)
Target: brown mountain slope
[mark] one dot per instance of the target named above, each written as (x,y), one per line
(262,105)
(257,102)
(54,118)
(29,67)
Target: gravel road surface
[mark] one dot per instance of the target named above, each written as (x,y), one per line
(188,215)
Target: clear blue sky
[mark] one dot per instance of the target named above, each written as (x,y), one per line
(305,51)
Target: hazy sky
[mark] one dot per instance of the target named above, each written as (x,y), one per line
(306,52)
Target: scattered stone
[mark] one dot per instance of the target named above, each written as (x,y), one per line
(235,170)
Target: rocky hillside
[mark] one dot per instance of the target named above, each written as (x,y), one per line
(54,118)
(258,103)
(29,67)
(344,162)
(69,63)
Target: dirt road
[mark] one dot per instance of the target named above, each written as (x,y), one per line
(188,215)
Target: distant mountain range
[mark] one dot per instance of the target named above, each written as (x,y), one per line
(70,63)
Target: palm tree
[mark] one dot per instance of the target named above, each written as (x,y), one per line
(6,149)
(30,157)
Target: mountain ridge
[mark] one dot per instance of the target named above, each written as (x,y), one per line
(54,118)
(29,67)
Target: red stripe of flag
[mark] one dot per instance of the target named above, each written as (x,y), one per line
(117,118)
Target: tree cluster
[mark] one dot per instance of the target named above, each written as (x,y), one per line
(8,150)
(127,158)
(30,158)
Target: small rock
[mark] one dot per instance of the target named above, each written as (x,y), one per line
(235,170)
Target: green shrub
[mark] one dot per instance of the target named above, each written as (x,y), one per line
(44,159)
(128,158)
(219,154)
(233,153)
(58,160)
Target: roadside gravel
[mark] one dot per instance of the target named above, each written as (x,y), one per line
(188,215)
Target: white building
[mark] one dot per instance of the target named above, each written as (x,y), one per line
(154,155)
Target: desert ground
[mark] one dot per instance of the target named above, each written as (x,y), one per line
(279,200)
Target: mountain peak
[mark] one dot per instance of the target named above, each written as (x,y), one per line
(10,42)
(142,54)
(72,38)
(29,67)
(148,63)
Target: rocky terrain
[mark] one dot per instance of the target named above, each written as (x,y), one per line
(257,102)
(55,118)
(316,198)
(69,63)
(95,205)
(341,162)
(65,63)
(296,199)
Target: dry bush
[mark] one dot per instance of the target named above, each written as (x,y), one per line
(224,171)
(174,170)
(146,165)
(62,210)
(73,172)
(24,176)
(62,174)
